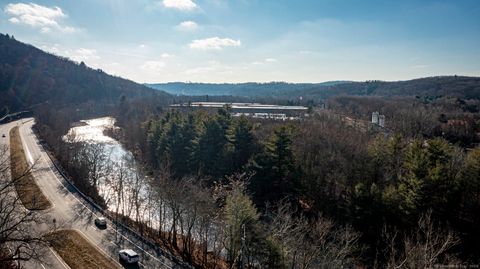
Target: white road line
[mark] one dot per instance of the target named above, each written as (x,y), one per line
(143,250)
(60,259)
(101,250)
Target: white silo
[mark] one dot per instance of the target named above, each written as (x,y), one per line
(381,120)
(375,117)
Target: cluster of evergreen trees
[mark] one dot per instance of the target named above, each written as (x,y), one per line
(199,144)
(414,176)
(326,167)
(206,145)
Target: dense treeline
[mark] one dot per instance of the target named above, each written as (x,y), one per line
(200,144)
(457,86)
(457,120)
(249,89)
(391,192)
(217,161)
(204,145)
(377,184)
(29,76)
(390,181)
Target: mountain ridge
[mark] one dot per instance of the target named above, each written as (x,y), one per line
(244,89)
(458,86)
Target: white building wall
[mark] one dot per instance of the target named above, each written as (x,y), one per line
(375,117)
(381,120)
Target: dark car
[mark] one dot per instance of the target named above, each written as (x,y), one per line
(101,222)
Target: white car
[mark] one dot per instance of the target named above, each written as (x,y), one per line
(128,256)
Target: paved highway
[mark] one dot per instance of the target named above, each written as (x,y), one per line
(70,211)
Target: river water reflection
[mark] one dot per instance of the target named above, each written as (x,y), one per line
(122,184)
(120,181)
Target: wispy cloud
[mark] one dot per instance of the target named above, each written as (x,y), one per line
(214,43)
(41,17)
(199,70)
(83,54)
(167,55)
(187,26)
(183,5)
(155,66)
(77,54)
(305,52)
(266,61)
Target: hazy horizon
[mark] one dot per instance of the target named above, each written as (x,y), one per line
(215,41)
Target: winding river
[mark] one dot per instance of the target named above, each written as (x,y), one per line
(120,179)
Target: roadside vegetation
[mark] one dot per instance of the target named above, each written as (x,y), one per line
(77,251)
(18,241)
(27,189)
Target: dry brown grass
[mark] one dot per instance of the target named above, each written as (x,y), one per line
(27,189)
(78,252)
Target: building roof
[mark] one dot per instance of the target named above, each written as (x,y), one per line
(240,106)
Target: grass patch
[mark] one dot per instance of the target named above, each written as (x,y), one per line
(27,189)
(77,251)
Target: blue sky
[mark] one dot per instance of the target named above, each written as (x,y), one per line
(255,40)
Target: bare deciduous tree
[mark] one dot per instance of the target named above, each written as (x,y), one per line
(311,243)
(424,248)
(19,240)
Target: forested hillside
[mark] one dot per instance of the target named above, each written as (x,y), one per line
(250,89)
(322,186)
(457,86)
(30,76)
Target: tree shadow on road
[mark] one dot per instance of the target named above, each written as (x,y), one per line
(83,215)
(131,266)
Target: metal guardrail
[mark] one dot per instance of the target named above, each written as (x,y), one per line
(89,200)
(16,115)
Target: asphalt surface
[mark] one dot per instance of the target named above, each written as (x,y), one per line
(70,211)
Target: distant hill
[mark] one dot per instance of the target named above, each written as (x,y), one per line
(250,89)
(30,76)
(457,86)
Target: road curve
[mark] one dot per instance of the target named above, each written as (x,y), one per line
(71,211)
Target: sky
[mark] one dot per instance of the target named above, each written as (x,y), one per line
(151,41)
